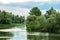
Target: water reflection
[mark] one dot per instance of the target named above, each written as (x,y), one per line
(13,34)
(54,36)
(4,38)
(38,36)
(43,36)
(21,34)
(5,35)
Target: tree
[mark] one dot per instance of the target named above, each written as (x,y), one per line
(32,19)
(35,11)
(58,23)
(31,23)
(0,16)
(42,23)
(21,19)
(8,18)
(49,12)
(51,24)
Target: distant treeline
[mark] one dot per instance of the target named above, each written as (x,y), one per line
(49,22)
(8,18)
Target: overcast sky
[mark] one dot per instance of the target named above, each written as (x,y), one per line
(22,7)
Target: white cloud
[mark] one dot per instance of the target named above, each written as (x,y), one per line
(54,1)
(16,1)
(16,10)
(40,0)
(20,11)
(12,1)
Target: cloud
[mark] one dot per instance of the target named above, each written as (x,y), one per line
(22,7)
(11,1)
(16,1)
(41,4)
(20,11)
(16,10)
(21,1)
(41,0)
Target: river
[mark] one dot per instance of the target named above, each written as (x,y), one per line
(21,34)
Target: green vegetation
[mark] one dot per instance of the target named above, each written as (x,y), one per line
(8,20)
(35,22)
(5,26)
(35,11)
(49,22)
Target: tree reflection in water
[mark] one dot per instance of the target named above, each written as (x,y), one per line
(4,38)
(34,37)
(42,37)
(5,35)
(54,37)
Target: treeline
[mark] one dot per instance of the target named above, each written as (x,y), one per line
(9,18)
(49,22)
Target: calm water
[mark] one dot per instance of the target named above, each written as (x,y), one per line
(22,34)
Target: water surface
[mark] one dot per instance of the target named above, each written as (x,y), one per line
(21,34)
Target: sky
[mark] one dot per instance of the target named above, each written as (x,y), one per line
(22,7)
(16,1)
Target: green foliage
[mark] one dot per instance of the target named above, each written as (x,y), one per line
(21,19)
(49,12)
(50,22)
(31,23)
(35,11)
(31,18)
(9,18)
(42,22)
(5,17)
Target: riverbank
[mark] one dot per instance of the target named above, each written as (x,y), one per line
(7,26)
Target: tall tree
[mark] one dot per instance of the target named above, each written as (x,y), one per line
(49,12)
(35,11)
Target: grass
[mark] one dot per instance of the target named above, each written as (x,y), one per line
(6,26)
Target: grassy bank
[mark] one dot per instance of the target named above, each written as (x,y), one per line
(5,26)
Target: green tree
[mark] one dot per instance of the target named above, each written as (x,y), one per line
(42,23)
(9,18)
(31,23)
(51,23)
(49,12)
(22,19)
(35,11)
(0,16)
(5,17)
(58,23)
